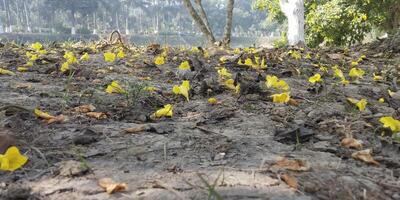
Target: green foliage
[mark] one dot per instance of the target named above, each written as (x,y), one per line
(282,41)
(340,22)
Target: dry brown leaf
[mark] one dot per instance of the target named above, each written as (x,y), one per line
(293,102)
(136,129)
(335,56)
(365,156)
(351,143)
(59,118)
(295,165)
(290,181)
(97,115)
(110,186)
(85,108)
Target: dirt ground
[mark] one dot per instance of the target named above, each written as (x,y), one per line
(229,150)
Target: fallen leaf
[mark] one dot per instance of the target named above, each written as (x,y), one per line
(43,115)
(84,108)
(6,72)
(136,129)
(97,115)
(59,118)
(290,181)
(110,186)
(294,165)
(365,156)
(351,143)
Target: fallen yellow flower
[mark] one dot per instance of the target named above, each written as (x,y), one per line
(381,100)
(356,73)
(85,57)
(390,122)
(109,57)
(12,159)
(314,79)
(361,104)
(183,89)
(64,67)
(159,60)
(281,98)
(248,62)
(22,69)
(224,73)
(6,72)
(230,84)
(120,54)
(167,111)
(184,65)
(71,59)
(212,101)
(42,115)
(377,77)
(114,87)
(275,82)
(37,46)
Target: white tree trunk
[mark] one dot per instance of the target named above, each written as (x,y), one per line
(294,11)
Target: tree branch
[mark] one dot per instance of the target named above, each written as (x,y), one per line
(203,15)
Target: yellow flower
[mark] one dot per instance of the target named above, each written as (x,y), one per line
(390,122)
(273,81)
(377,77)
(37,46)
(183,89)
(120,54)
(167,111)
(263,64)
(323,69)
(308,56)
(31,56)
(314,79)
(212,101)
(71,59)
(109,57)
(248,62)
(356,73)
(114,87)
(150,89)
(64,67)
(159,60)
(224,73)
(29,64)
(230,84)
(85,57)
(43,51)
(381,100)
(361,104)
(337,72)
(281,98)
(184,65)
(223,59)
(6,72)
(240,61)
(236,51)
(344,82)
(42,115)
(22,69)
(354,63)
(12,159)
(195,50)
(295,54)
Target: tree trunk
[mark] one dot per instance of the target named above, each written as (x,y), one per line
(203,15)
(210,37)
(73,30)
(228,27)
(294,11)
(28,25)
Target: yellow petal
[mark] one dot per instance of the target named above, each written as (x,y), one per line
(12,159)
(362,104)
(381,100)
(42,114)
(37,46)
(390,122)
(281,98)
(22,69)
(159,60)
(224,73)
(6,72)
(85,57)
(184,65)
(64,67)
(114,87)
(212,101)
(356,73)
(377,78)
(164,112)
(120,54)
(314,79)
(109,57)
(248,62)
